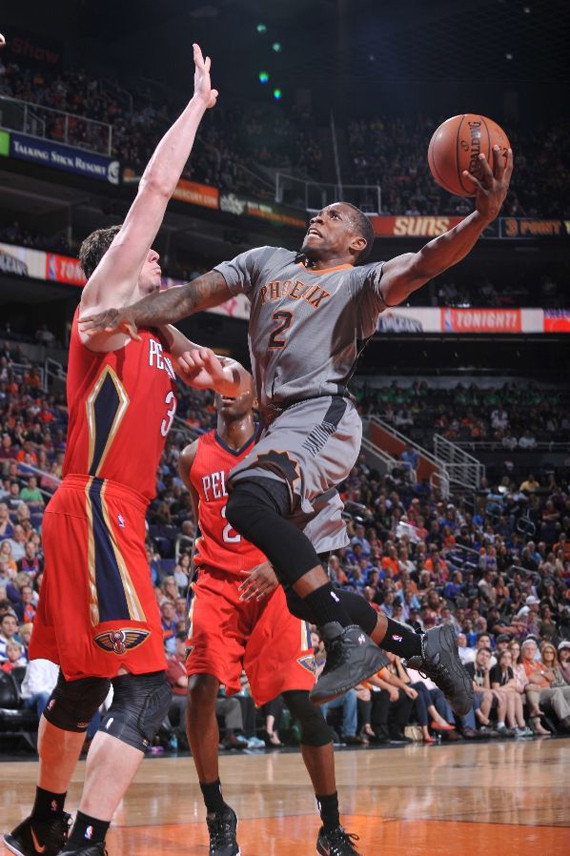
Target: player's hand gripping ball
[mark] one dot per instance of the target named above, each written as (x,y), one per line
(456,146)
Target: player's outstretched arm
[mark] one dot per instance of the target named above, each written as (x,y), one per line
(406,273)
(159,309)
(185,461)
(114,280)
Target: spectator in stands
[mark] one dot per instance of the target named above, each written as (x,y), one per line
(32,494)
(7,558)
(17,543)
(484,697)
(178,680)
(169,625)
(14,656)
(8,632)
(5,522)
(542,688)
(38,684)
(170,589)
(503,680)
(564,659)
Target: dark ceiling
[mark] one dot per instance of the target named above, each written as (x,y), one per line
(349,53)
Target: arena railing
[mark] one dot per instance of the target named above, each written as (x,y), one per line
(35,120)
(312,196)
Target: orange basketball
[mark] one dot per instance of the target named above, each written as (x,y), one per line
(456,146)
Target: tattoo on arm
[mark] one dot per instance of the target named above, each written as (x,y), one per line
(170,306)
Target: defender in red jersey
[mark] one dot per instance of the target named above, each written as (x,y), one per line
(97,616)
(237,624)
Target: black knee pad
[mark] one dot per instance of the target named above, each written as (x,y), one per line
(73,704)
(257,508)
(314,729)
(140,703)
(355,605)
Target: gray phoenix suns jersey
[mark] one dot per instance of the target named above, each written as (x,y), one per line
(307,326)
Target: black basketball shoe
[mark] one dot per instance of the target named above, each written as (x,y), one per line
(336,842)
(440,661)
(222,827)
(88,850)
(32,838)
(351,657)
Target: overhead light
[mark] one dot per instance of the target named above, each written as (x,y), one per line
(261,28)
(276,47)
(508,56)
(263,77)
(277,94)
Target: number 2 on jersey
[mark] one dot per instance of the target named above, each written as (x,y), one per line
(284,320)
(227,535)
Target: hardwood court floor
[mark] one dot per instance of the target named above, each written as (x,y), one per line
(508,798)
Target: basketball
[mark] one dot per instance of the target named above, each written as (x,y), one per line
(456,146)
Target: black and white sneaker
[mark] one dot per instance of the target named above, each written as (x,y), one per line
(222,827)
(440,661)
(88,850)
(351,658)
(31,838)
(336,842)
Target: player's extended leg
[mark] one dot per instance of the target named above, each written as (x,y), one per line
(434,652)
(257,508)
(203,736)
(317,752)
(140,703)
(61,736)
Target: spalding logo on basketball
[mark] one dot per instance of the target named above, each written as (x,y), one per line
(456,146)
(120,641)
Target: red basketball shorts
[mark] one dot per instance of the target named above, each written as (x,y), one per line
(228,635)
(97,611)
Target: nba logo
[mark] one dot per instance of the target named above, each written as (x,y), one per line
(89,833)
(448,324)
(52,267)
(121,520)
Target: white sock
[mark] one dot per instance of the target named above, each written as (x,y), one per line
(500,724)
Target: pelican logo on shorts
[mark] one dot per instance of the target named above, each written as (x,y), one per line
(308,663)
(120,641)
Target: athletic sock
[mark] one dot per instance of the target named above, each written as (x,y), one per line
(47,805)
(328,808)
(400,640)
(325,605)
(213,798)
(87,829)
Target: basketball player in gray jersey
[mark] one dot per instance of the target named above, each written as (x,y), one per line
(311,314)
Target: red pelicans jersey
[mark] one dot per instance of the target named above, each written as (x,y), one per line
(121,406)
(219,546)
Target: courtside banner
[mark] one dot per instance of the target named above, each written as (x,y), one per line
(240,206)
(21,261)
(57,156)
(64,269)
(409,320)
(197,194)
(412,226)
(557,320)
(528,227)
(481,320)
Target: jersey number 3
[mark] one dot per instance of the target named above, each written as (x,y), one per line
(283,320)
(166,424)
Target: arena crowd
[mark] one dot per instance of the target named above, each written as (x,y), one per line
(495,566)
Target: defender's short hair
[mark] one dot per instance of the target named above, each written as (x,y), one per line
(364,228)
(94,248)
